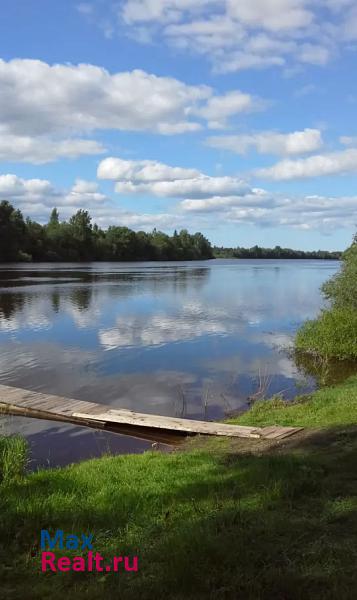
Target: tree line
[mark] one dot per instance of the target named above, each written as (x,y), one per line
(277,252)
(79,240)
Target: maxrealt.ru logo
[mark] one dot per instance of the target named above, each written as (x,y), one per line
(91,562)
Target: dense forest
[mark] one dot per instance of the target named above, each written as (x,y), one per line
(80,240)
(277,252)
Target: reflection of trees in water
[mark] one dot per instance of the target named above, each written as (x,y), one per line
(124,285)
(56,303)
(81,297)
(326,372)
(10,305)
(88,283)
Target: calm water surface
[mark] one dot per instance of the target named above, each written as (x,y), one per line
(179,339)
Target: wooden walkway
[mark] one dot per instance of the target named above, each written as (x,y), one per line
(169,430)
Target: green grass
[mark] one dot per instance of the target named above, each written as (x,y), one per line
(212,522)
(328,407)
(13,458)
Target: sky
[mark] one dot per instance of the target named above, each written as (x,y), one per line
(236,118)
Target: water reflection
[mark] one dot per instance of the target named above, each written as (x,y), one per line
(325,372)
(167,338)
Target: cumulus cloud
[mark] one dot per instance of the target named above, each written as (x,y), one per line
(40,150)
(314,54)
(12,186)
(138,171)
(151,177)
(38,98)
(348,140)
(263,208)
(273,15)
(218,109)
(36,197)
(257,198)
(270,142)
(333,163)
(196,188)
(139,11)
(44,108)
(245,34)
(208,206)
(209,201)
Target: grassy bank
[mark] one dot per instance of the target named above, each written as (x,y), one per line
(332,406)
(221,519)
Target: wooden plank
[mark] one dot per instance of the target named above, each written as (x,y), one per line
(47,406)
(278,433)
(171,423)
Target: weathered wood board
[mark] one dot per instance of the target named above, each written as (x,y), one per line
(17,401)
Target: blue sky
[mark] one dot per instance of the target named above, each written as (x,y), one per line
(235,118)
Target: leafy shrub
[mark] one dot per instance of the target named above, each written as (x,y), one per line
(341,289)
(333,334)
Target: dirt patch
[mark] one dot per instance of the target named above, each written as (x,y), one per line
(329,439)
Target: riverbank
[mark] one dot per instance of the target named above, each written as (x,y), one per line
(221,519)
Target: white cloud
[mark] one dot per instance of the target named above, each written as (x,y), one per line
(150,177)
(246,205)
(244,34)
(348,140)
(253,198)
(260,207)
(44,108)
(15,187)
(40,150)
(239,61)
(220,108)
(210,34)
(349,30)
(195,188)
(36,197)
(210,201)
(135,11)
(273,15)
(314,54)
(40,99)
(84,193)
(138,171)
(333,163)
(82,186)
(270,142)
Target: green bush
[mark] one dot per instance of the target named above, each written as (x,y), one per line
(13,457)
(332,335)
(341,289)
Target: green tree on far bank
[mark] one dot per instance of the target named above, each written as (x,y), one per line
(79,240)
(12,232)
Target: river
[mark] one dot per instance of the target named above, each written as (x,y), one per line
(195,339)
